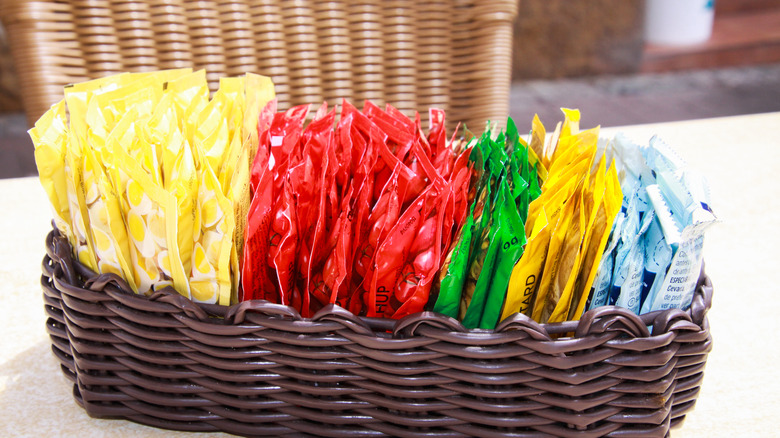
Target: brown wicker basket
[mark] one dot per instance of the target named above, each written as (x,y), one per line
(258,368)
(449,54)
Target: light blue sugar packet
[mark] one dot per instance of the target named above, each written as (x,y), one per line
(658,256)
(628,276)
(681,201)
(619,261)
(653,255)
(599,291)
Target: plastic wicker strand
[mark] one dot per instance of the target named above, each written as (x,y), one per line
(451,54)
(258,368)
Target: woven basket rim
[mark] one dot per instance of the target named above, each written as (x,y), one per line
(130,356)
(167,300)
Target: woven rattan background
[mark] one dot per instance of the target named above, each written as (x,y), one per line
(451,54)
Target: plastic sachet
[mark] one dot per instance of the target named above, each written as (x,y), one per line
(507,238)
(107,221)
(421,234)
(624,258)
(150,215)
(472,282)
(271,234)
(355,213)
(567,226)
(143,200)
(50,138)
(452,276)
(637,271)
(682,204)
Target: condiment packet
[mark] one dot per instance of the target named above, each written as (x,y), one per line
(568,225)
(149,176)
(681,201)
(666,207)
(50,138)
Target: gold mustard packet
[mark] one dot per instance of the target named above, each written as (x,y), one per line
(568,224)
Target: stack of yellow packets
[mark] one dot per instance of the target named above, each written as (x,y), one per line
(568,224)
(148,176)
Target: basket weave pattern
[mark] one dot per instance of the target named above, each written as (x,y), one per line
(450,54)
(257,368)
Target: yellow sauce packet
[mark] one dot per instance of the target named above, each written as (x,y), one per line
(83,247)
(210,277)
(538,135)
(529,281)
(212,134)
(571,122)
(161,137)
(106,221)
(605,215)
(545,291)
(525,275)
(259,90)
(76,98)
(190,94)
(176,172)
(249,95)
(231,91)
(50,138)
(577,241)
(151,214)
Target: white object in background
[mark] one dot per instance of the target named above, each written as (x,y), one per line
(678,22)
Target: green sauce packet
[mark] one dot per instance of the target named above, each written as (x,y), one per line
(481,268)
(474,278)
(454,270)
(480,241)
(508,250)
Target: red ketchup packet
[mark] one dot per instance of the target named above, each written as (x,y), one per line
(356,211)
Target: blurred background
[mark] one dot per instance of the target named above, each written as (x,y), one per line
(620,62)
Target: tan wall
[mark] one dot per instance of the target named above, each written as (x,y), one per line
(564,38)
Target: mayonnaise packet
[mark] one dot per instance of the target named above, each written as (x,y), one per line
(151,214)
(210,277)
(79,217)
(50,138)
(190,95)
(106,221)
(212,133)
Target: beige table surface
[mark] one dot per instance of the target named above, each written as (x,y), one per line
(739,155)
